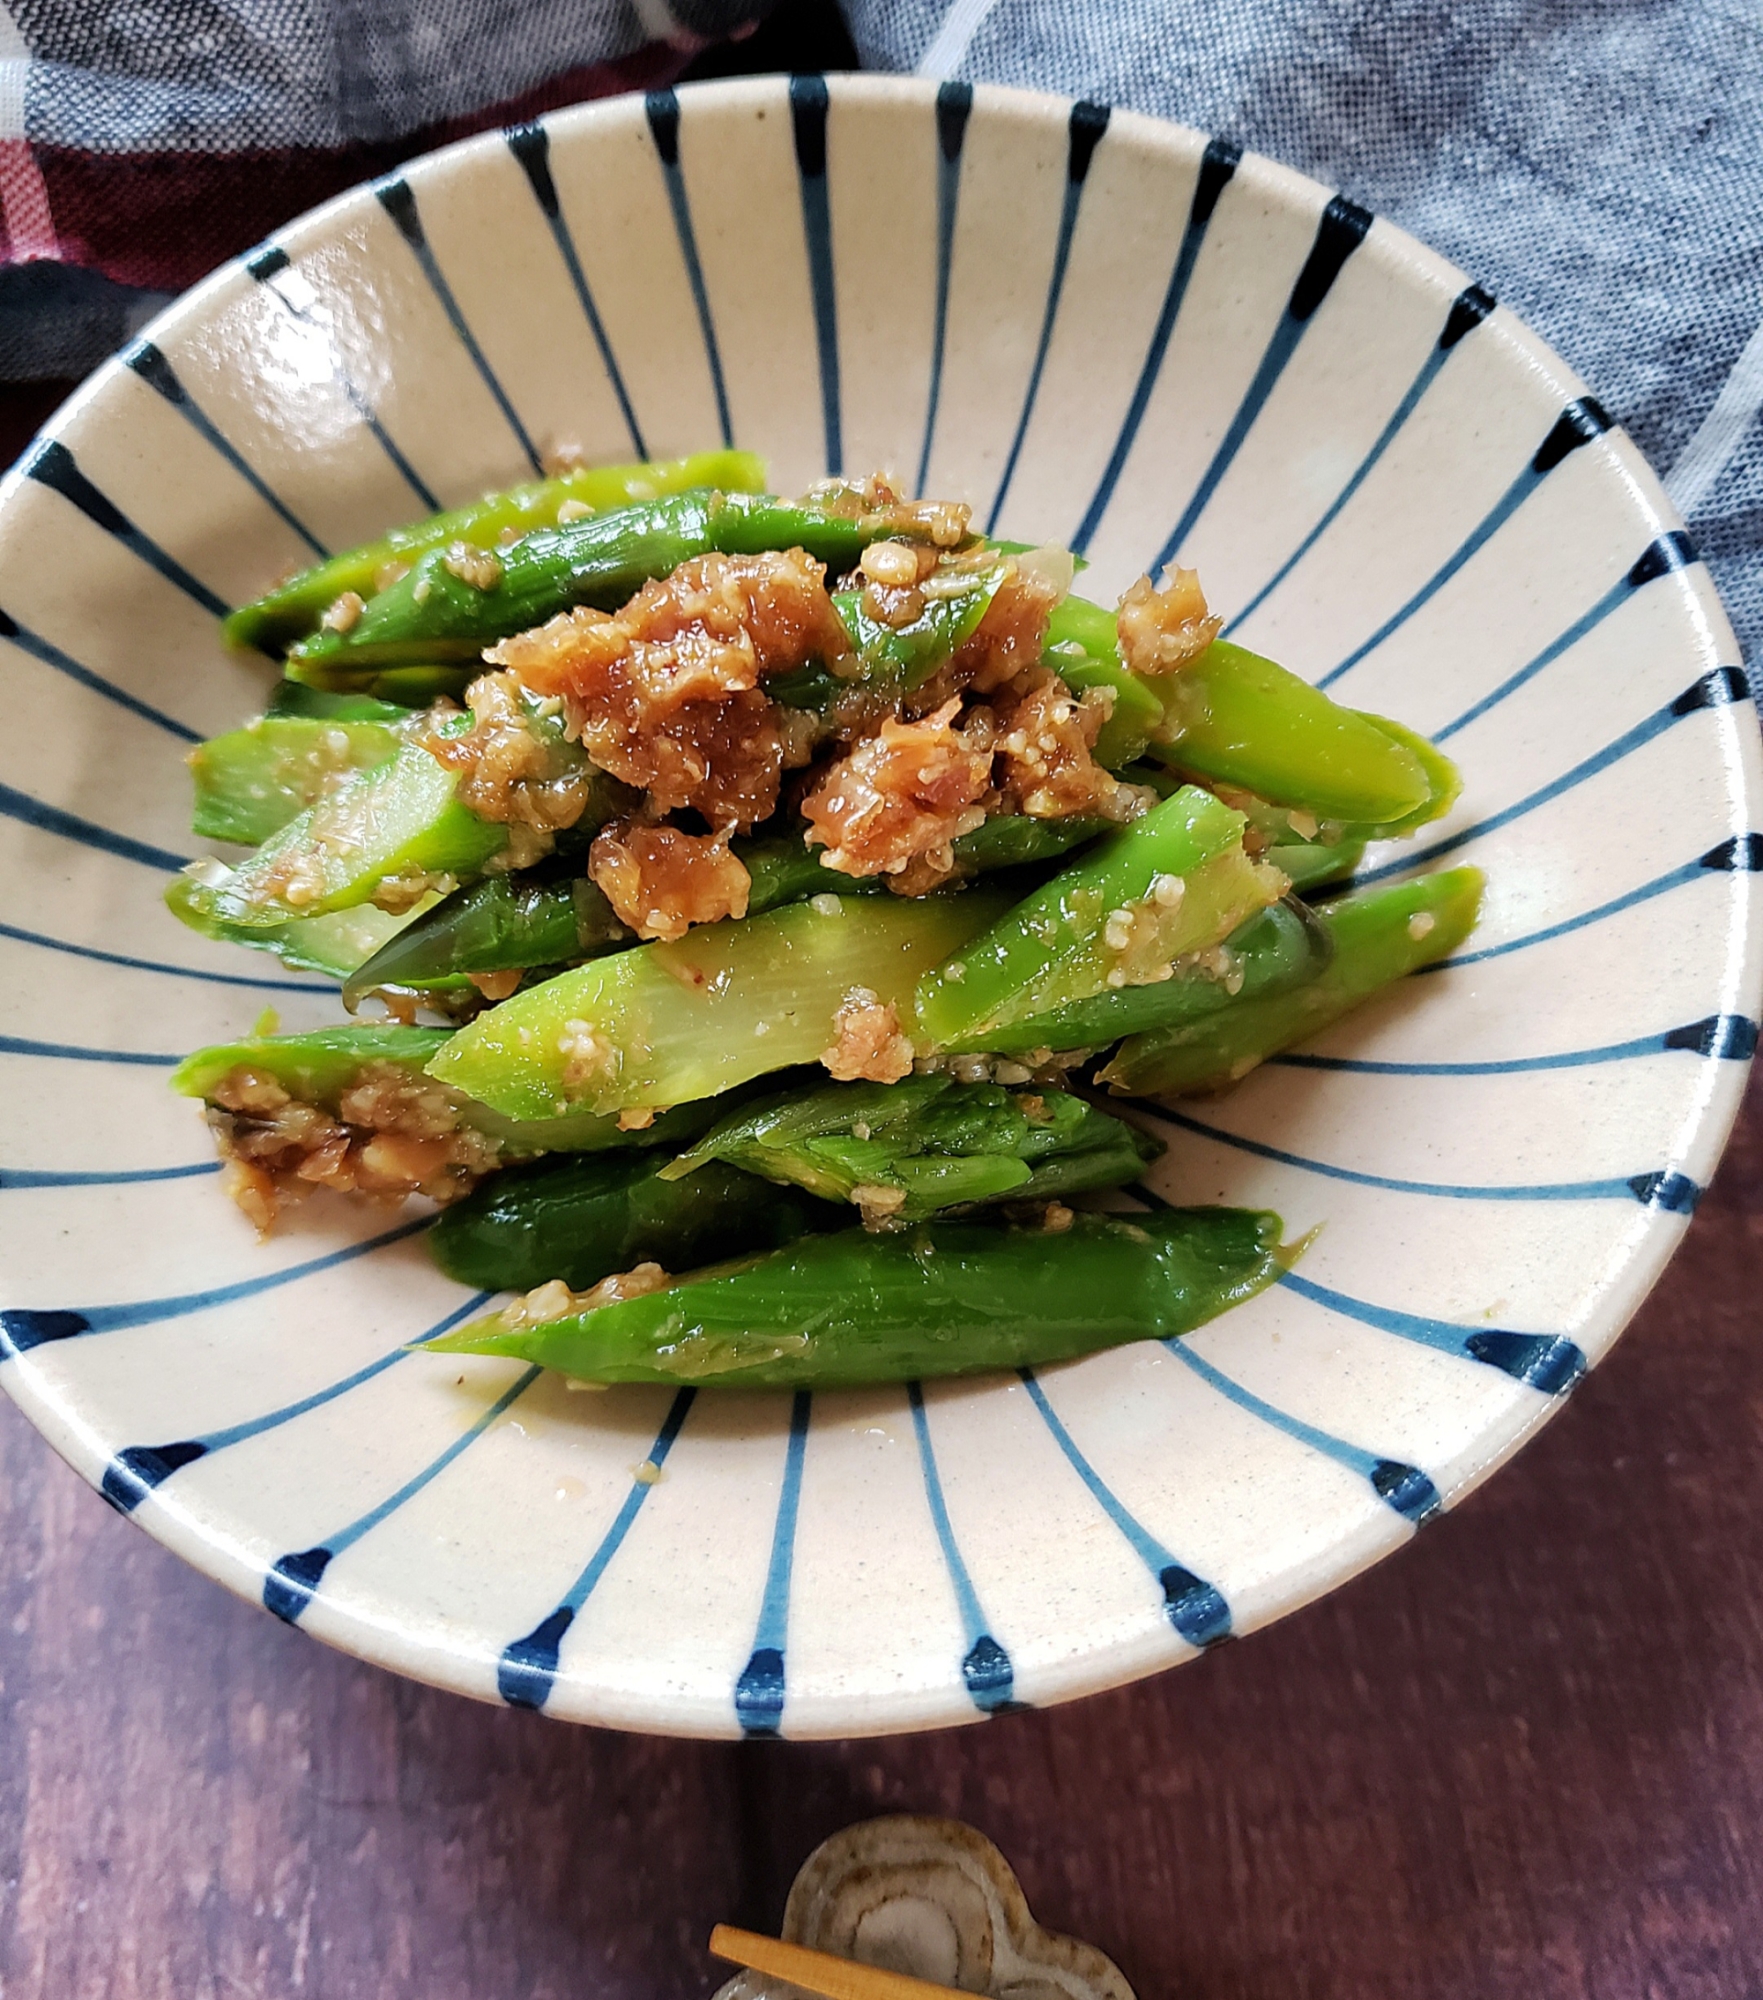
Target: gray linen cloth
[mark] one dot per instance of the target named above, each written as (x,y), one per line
(1597,164)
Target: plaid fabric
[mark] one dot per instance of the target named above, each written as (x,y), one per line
(142,145)
(1598,164)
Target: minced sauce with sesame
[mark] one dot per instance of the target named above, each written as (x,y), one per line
(674,696)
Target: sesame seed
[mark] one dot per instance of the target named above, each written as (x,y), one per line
(894,563)
(344,612)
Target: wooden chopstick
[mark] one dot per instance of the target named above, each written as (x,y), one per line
(820,1972)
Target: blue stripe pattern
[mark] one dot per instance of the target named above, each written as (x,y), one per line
(396,198)
(527,1671)
(531,147)
(1340,232)
(1217,164)
(44,943)
(1660,1188)
(138,1468)
(1547,1362)
(293,1582)
(1729,1036)
(1470,307)
(954,102)
(1719,689)
(1577,425)
(69,826)
(808,103)
(1663,557)
(986,1671)
(32,1177)
(17,1045)
(1195,1608)
(51,464)
(1741,854)
(759,1691)
(63,663)
(1087,124)
(661,107)
(266,265)
(21,1329)
(147,361)
(1405,1488)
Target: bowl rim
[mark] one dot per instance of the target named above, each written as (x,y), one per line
(433,1659)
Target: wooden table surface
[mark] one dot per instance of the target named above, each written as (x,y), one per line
(1524,1756)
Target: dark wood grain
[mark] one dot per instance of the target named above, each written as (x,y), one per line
(1525,1756)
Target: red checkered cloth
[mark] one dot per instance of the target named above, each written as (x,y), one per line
(141,147)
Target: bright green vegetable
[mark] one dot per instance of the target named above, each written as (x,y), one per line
(317,1066)
(501,924)
(435,614)
(581,1218)
(944,1298)
(398,820)
(957,596)
(1306,850)
(334,946)
(902,1151)
(1379,936)
(1083,648)
(320,1065)
(1015,840)
(289,698)
(1278,948)
(1175,881)
(1444,782)
(408,687)
(1236,718)
(295,607)
(252,781)
(515,921)
(665,1023)
(539,918)
(1080,648)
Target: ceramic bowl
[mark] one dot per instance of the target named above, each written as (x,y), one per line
(1101,330)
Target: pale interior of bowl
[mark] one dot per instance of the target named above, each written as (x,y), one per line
(1498,1158)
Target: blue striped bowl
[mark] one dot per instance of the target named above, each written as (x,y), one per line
(1099,330)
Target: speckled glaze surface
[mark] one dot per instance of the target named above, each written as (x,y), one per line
(1099,330)
(936,1900)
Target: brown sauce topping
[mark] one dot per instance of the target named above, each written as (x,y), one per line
(394,1134)
(1161,630)
(1046,737)
(508,774)
(661,881)
(666,694)
(867,1043)
(902,796)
